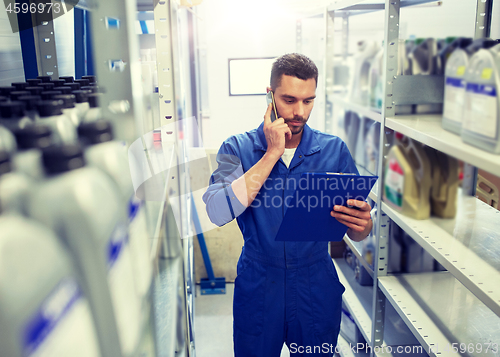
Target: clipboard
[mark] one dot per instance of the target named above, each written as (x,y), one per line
(307,216)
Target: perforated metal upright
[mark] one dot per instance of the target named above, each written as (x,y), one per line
(45,43)
(391,40)
(117,65)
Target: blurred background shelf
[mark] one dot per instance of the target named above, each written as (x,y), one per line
(467,246)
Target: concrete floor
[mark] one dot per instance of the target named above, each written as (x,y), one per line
(213,325)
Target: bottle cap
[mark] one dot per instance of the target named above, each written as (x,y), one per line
(16,94)
(47,86)
(91,79)
(82,96)
(30,101)
(83,82)
(11,110)
(5,91)
(47,95)
(34,137)
(58,82)
(63,89)
(34,82)
(20,85)
(45,79)
(48,108)
(35,90)
(68,100)
(68,79)
(73,86)
(94,100)
(96,132)
(62,158)
(5,165)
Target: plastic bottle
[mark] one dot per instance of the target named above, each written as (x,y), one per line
(481,120)
(30,102)
(111,157)
(364,126)
(454,90)
(351,128)
(83,82)
(49,94)
(3,99)
(73,86)
(68,79)
(394,265)
(20,86)
(58,82)
(5,91)
(14,187)
(82,102)
(372,140)
(359,87)
(44,79)
(35,90)
(47,86)
(415,258)
(12,115)
(408,179)
(91,79)
(94,113)
(14,95)
(82,207)
(69,109)
(63,89)
(42,308)
(7,140)
(33,82)
(30,142)
(444,190)
(423,62)
(51,114)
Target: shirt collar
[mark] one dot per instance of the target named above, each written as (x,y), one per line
(308,145)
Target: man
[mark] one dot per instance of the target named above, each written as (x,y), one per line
(285,292)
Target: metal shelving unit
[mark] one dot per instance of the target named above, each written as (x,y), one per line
(432,305)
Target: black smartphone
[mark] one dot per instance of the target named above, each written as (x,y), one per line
(270,99)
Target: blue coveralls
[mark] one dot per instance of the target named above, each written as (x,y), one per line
(284,291)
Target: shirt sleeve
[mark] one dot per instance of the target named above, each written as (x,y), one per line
(221,203)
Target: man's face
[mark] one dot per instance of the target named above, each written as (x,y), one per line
(294,101)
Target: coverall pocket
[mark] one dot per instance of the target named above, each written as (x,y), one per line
(326,300)
(248,302)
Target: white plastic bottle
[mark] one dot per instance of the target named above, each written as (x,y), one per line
(30,102)
(111,157)
(359,87)
(69,107)
(94,113)
(81,205)
(30,142)
(12,115)
(481,120)
(7,140)
(43,311)
(63,130)
(14,187)
(82,101)
(423,60)
(454,90)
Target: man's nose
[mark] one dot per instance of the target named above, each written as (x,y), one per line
(298,110)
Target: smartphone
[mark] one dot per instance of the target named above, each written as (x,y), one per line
(270,99)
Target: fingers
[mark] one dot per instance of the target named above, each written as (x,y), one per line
(288,133)
(360,221)
(267,116)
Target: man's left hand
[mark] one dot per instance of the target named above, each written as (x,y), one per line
(358,219)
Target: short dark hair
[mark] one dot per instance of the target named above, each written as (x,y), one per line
(293,64)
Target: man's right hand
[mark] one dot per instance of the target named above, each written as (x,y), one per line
(276,134)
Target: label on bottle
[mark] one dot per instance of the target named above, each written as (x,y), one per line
(126,303)
(394,183)
(454,94)
(140,245)
(481,110)
(62,326)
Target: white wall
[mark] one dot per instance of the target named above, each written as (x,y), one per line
(239,29)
